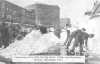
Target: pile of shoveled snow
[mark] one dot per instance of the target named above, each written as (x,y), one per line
(34,42)
(45,42)
(21,47)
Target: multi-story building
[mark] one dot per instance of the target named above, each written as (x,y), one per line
(29,17)
(45,14)
(33,14)
(15,13)
(10,11)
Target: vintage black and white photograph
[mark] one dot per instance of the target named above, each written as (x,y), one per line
(49,31)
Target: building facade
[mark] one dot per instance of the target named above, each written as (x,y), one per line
(33,14)
(14,13)
(46,14)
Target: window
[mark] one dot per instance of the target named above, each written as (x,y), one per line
(14,12)
(7,9)
(27,13)
(9,17)
(18,19)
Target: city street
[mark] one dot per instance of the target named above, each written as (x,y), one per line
(94,60)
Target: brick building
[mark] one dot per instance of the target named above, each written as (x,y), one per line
(33,14)
(29,17)
(45,14)
(15,13)
(11,12)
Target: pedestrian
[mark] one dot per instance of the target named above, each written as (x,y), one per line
(85,37)
(81,38)
(43,29)
(76,35)
(4,34)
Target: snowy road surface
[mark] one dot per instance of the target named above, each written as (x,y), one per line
(94,60)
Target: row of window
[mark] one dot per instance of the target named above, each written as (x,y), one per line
(30,14)
(12,14)
(15,14)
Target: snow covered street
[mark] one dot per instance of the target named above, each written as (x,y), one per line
(34,42)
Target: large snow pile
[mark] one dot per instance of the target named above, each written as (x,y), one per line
(34,42)
(23,46)
(63,36)
(45,42)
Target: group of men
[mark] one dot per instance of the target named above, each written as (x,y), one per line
(80,37)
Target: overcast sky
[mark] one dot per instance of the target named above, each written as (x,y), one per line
(68,7)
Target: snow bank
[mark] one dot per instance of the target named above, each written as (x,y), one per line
(45,42)
(34,42)
(63,36)
(22,47)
